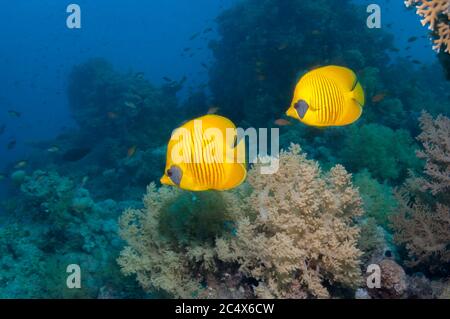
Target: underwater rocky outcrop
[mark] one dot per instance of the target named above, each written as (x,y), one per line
(106,103)
(123,124)
(275,237)
(266,45)
(56,224)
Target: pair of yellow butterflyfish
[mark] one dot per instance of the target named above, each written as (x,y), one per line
(204,154)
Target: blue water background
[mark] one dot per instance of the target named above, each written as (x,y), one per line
(37,52)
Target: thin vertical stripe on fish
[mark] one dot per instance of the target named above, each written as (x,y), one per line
(206,166)
(328,96)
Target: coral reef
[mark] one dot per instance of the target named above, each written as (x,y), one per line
(435,139)
(385,153)
(371,241)
(257,58)
(167,254)
(393,281)
(423,222)
(124,112)
(56,224)
(379,201)
(292,240)
(435,14)
(106,103)
(299,233)
(275,233)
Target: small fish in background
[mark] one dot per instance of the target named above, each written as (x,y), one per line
(207,30)
(222,172)
(378,97)
(130,105)
(140,75)
(53,149)
(167,79)
(213,110)
(395,50)
(186,49)
(283,46)
(14,114)
(328,96)
(112,115)
(261,78)
(2,129)
(131,151)
(412,39)
(84,181)
(408,48)
(21,164)
(76,154)
(195,35)
(416,62)
(11,145)
(282,122)
(204,65)
(389,25)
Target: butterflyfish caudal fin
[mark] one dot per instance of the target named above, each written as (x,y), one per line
(358,94)
(237,173)
(354,105)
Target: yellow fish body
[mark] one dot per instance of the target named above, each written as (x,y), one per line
(328,96)
(204,154)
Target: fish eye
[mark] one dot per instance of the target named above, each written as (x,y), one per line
(301,107)
(169,173)
(300,103)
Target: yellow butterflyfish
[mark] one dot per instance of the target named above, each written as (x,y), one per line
(328,96)
(205,154)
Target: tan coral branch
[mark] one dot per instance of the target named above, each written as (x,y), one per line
(431,12)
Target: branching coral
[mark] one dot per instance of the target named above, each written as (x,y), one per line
(435,138)
(423,224)
(290,234)
(161,251)
(295,232)
(436,14)
(424,232)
